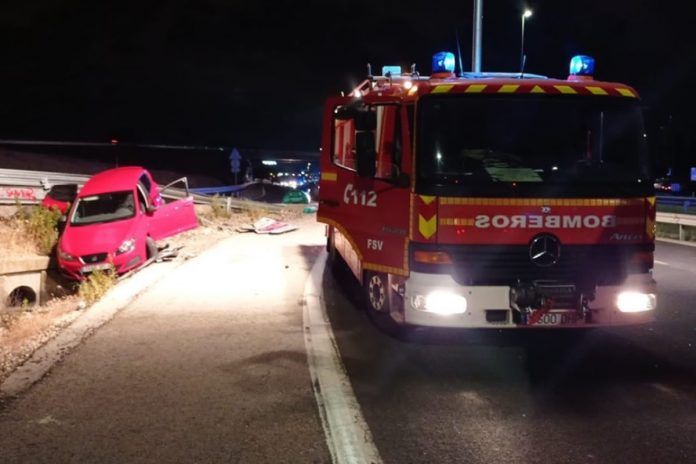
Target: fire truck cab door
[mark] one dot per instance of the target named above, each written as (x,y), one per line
(371,214)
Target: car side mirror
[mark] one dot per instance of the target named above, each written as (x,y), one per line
(150,209)
(365,154)
(62,222)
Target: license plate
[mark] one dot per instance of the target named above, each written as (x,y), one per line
(95,267)
(561,318)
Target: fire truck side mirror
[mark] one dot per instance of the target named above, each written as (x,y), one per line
(365,120)
(364,117)
(365,154)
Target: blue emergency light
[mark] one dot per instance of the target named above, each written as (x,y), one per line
(582,65)
(443,62)
(391,70)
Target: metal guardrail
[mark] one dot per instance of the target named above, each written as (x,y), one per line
(221,190)
(30,187)
(682,220)
(676,202)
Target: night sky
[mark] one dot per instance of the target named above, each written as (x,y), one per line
(256,73)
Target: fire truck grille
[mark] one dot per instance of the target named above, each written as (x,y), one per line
(506,265)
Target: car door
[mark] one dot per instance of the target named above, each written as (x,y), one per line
(174,215)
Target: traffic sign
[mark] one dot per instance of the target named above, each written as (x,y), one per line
(235,161)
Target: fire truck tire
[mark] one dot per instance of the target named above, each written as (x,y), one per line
(334,260)
(377,292)
(332,257)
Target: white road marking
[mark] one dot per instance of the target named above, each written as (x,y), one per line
(347,435)
(657,261)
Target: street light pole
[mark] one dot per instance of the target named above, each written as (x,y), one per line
(477,32)
(525,15)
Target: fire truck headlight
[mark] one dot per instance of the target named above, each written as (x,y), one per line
(440,302)
(635,302)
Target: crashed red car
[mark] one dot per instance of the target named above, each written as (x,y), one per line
(60,197)
(116,219)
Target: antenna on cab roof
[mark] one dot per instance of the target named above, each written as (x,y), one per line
(459,54)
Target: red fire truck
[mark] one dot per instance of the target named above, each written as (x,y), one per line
(492,199)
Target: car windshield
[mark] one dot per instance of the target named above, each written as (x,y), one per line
(105,207)
(532,144)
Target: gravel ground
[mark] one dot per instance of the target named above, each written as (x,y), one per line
(26,331)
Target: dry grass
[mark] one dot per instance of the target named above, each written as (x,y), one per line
(42,227)
(29,232)
(96,285)
(14,239)
(218,207)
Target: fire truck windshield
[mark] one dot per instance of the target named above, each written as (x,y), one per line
(531,145)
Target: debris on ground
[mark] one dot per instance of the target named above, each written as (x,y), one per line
(266,225)
(168,253)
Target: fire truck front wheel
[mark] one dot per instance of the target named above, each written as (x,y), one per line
(377,292)
(334,258)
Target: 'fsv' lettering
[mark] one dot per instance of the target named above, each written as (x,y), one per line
(374,244)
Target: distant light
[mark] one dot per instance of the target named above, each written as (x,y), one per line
(269,163)
(114,141)
(408,84)
(391,70)
(357,93)
(554,168)
(438,156)
(443,62)
(582,65)
(527,13)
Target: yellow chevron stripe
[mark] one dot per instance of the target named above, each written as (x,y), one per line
(597,90)
(508,88)
(537,89)
(626,92)
(476,88)
(332,176)
(427,199)
(457,222)
(443,88)
(566,89)
(427,227)
(590,202)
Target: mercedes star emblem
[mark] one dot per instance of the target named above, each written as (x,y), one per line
(545,250)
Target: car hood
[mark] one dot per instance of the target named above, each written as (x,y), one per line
(96,238)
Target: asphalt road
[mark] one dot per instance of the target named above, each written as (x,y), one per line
(619,395)
(207,366)
(210,366)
